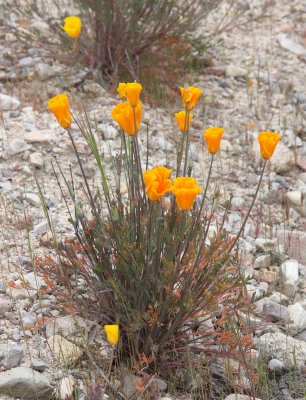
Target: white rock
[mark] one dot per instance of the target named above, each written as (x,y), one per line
(282,159)
(41,228)
(16,146)
(5,306)
(263,261)
(36,159)
(290,271)
(280,298)
(64,352)
(34,283)
(41,27)
(67,387)
(109,132)
(276,365)
(26,62)
(25,383)
(37,137)
(13,357)
(294,198)
(233,70)
(226,145)
(298,317)
(44,71)
(265,245)
(283,347)
(8,103)
(32,198)
(297,200)
(291,45)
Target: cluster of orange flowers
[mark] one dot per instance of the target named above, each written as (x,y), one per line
(128,116)
(158,183)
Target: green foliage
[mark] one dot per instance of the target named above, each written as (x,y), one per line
(142,38)
(160,273)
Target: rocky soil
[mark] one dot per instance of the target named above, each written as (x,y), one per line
(256,82)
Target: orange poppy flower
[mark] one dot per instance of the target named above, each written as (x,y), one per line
(72,26)
(112,334)
(268,142)
(131,91)
(182,121)
(157,182)
(59,106)
(190,96)
(123,114)
(213,137)
(185,191)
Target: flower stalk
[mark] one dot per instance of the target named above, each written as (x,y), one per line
(250,209)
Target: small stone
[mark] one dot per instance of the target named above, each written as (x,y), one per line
(289,289)
(2,288)
(32,198)
(263,261)
(44,71)
(66,387)
(72,327)
(25,383)
(28,318)
(41,27)
(13,357)
(8,103)
(276,365)
(233,70)
(36,159)
(41,228)
(16,146)
(34,283)
(26,62)
(290,271)
(265,245)
(226,145)
(65,352)
(294,198)
(237,203)
(290,351)
(280,298)
(40,137)
(38,365)
(283,159)
(297,319)
(270,276)
(109,132)
(291,45)
(272,310)
(161,384)
(5,306)
(297,201)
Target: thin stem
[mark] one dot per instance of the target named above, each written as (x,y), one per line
(186,152)
(82,170)
(180,154)
(198,216)
(250,209)
(147,157)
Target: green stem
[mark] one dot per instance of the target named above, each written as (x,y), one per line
(186,132)
(250,209)
(198,216)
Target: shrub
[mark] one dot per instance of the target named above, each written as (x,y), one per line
(139,38)
(148,261)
